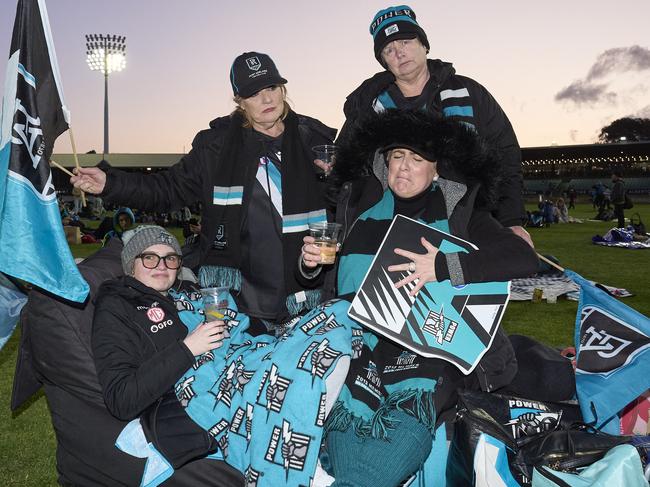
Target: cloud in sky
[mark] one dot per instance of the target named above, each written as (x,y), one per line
(644,112)
(595,87)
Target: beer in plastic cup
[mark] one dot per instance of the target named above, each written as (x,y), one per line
(215,302)
(326,235)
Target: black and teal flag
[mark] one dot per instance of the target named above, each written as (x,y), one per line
(613,355)
(33,246)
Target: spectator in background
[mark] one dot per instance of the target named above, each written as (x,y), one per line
(618,198)
(607,197)
(76,196)
(561,211)
(123,220)
(572,194)
(548,212)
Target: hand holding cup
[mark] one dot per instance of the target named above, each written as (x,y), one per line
(325,237)
(324,157)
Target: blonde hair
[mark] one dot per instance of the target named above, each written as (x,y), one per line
(248,122)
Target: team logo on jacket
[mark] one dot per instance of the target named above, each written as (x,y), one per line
(607,343)
(253,63)
(156,314)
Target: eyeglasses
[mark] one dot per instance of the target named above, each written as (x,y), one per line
(151,261)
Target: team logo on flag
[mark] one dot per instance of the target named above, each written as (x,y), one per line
(607,343)
(27,134)
(253,63)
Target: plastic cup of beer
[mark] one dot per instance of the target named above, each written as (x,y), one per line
(325,153)
(326,237)
(215,302)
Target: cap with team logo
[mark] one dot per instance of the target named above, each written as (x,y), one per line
(395,23)
(252,72)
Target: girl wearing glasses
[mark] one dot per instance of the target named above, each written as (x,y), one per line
(141,346)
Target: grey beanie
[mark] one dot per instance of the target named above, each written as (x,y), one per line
(142,237)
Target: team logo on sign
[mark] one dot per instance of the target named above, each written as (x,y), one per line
(156,314)
(607,343)
(253,63)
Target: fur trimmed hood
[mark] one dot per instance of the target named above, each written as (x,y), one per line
(461,154)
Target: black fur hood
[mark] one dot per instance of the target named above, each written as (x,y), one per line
(462,156)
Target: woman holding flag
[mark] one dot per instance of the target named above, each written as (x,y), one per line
(253,172)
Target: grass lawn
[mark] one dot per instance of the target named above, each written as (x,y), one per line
(27,442)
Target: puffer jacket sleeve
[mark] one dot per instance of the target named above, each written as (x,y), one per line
(501,254)
(494,126)
(170,189)
(130,379)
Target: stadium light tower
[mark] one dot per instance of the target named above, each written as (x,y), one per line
(106,53)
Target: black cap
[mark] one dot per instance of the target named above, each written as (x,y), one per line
(252,72)
(395,23)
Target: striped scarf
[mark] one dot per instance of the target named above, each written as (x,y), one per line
(296,196)
(454,102)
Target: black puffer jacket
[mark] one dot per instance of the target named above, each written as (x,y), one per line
(138,346)
(479,108)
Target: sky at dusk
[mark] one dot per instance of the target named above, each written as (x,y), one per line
(560,69)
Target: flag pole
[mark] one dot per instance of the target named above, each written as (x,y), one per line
(76,162)
(550,262)
(59,166)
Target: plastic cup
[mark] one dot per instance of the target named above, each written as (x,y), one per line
(326,235)
(325,153)
(215,302)
(551,298)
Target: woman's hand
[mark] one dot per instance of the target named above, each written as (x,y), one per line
(89,179)
(205,337)
(323,166)
(310,253)
(422,267)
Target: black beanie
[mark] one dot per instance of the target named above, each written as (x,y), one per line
(395,23)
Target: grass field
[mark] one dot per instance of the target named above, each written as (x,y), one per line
(27,442)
